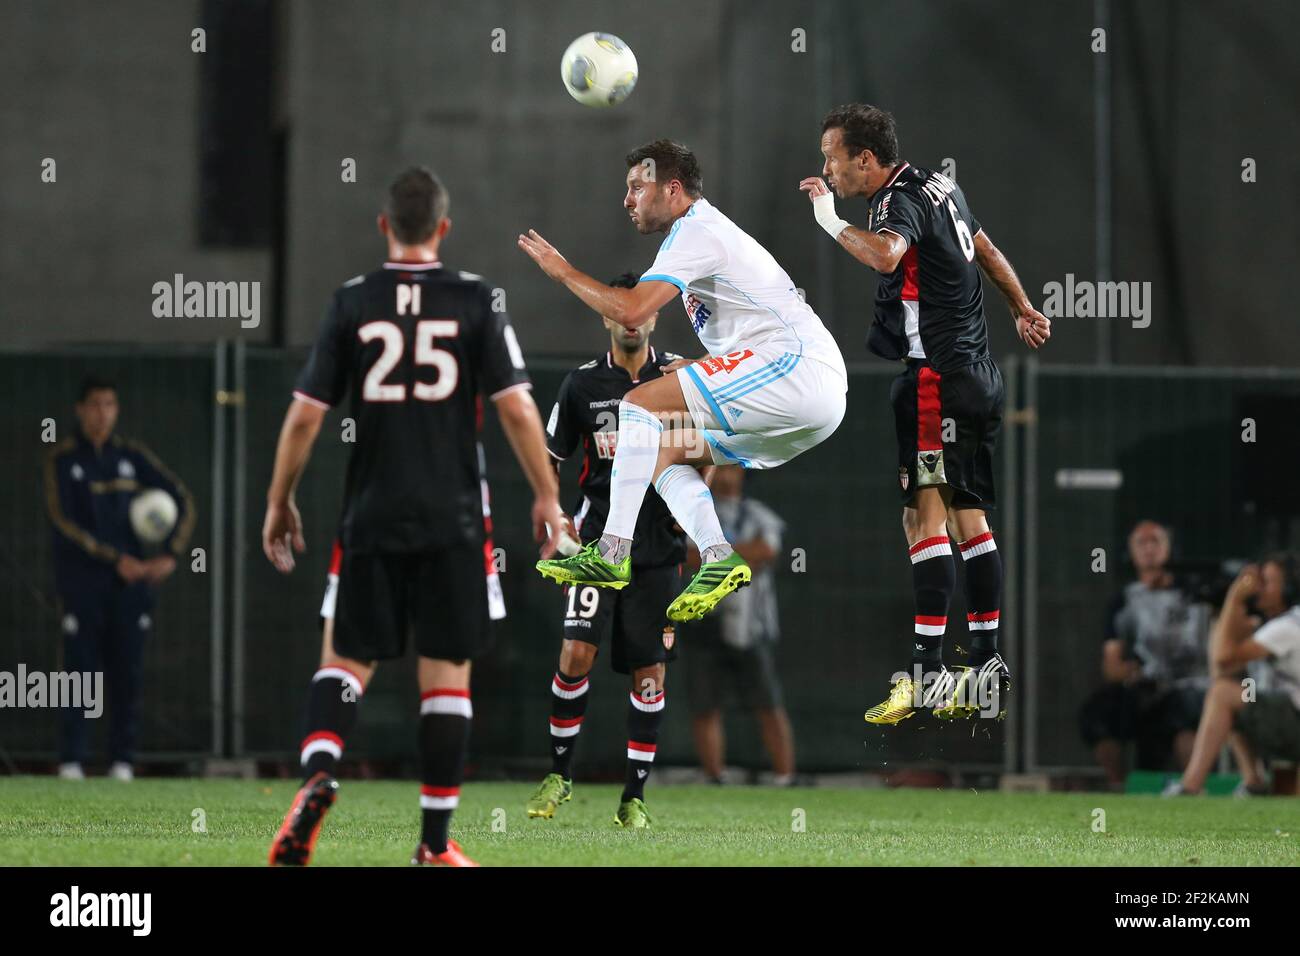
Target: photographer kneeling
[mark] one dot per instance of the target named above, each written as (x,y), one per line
(1260,620)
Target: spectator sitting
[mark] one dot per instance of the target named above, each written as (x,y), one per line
(1265,724)
(1153,664)
(732,648)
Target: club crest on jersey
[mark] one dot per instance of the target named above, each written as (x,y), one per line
(698,312)
(724,363)
(902,477)
(670,637)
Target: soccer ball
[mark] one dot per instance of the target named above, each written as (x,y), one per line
(599,69)
(153,515)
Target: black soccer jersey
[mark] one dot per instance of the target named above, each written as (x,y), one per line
(931,306)
(586,411)
(416,344)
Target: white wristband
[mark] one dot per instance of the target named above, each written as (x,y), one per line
(824,212)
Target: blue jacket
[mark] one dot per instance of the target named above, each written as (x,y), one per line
(88,495)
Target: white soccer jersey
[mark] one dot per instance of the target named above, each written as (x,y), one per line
(736,295)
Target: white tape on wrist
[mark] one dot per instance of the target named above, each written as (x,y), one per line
(824,212)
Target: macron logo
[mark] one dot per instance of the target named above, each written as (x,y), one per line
(103,909)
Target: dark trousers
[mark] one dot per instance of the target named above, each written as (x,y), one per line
(106,633)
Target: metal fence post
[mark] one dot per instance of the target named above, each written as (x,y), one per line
(1030,563)
(1012,557)
(238,591)
(217,550)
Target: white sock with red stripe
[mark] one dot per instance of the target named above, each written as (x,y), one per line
(332,705)
(445,715)
(568,707)
(644,715)
(983,564)
(934,575)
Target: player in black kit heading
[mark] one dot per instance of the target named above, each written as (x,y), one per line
(631,619)
(415,344)
(929,249)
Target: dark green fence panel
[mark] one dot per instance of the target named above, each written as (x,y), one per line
(166,402)
(1175,437)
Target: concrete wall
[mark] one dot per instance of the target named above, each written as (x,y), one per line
(1004,89)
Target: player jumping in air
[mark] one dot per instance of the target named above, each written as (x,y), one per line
(772,386)
(416,345)
(632,619)
(926,244)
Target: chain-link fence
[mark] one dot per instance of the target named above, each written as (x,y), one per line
(1085,454)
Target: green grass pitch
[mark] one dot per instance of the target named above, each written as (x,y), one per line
(45,821)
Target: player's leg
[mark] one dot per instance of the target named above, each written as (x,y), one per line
(644,717)
(644,449)
(334,697)
(679,483)
(449,617)
(636,457)
(642,646)
(359,615)
(588,616)
(933,580)
(332,702)
(973,397)
(445,716)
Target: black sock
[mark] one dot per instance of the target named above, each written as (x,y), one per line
(444,738)
(934,576)
(332,704)
(644,715)
(983,595)
(568,705)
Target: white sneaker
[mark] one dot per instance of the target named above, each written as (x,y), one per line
(71,771)
(121,771)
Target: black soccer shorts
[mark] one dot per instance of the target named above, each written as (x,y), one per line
(441,597)
(633,617)
(947,426)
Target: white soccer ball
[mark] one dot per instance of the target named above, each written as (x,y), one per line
(153,515)
(599,69)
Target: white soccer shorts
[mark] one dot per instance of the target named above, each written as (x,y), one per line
(761,406)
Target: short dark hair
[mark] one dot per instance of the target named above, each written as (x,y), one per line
(417,200)
(671,161)
(627,280)
(94,383)
(865,127)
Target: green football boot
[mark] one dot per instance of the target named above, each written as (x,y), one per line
(633,815)
(588,567)
(711,584)
(553,791)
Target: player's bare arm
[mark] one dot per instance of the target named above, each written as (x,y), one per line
(881,251)
(523,427)
(1032,326)
(282,529)
(628,307)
